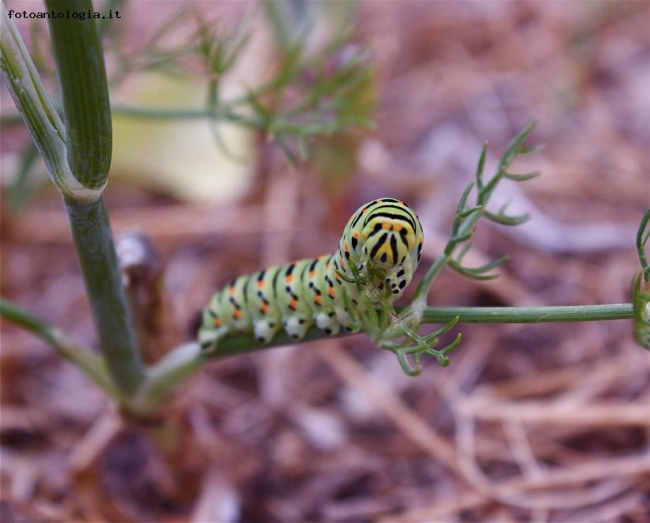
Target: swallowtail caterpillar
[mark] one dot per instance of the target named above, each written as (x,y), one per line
(380,249)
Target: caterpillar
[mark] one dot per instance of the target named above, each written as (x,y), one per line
(377,256)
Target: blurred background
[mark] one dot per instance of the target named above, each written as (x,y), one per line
(529,423)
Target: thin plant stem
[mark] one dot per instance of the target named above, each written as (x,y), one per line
(438,315)
(33,103)
(184,360)
(553,314)
(91,364)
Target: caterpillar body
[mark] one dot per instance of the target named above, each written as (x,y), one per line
(378,254)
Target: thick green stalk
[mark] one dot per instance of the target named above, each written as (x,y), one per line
(94,243)
(84,90)
(77,153)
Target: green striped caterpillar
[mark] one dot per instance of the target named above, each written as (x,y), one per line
(380,249)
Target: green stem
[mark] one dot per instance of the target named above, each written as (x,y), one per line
(242,344)
(184,360)
(33,103)
(161,113)
(94,366)
(423,287)
(94,244)
(84,91)
(617,311)
(165,375)
(80,70)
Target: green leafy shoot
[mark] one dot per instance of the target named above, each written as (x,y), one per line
(406,323)
(308,95)
(467,216)
(398,332)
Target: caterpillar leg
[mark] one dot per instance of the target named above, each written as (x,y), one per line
(327,322)
(259,295)
(322,294)
(398,333)
(293,298)
(215,323)
(207,339)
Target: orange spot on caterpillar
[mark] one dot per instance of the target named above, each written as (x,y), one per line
(260,284)
(293,304)
(264,308)
(331,292)
(317,299)
(288,278)
(236,313)
(217,322)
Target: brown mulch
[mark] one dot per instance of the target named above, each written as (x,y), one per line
(545,422)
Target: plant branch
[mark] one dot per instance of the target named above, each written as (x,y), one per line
(94,366)
(165,375)
(184,360)
(553,314)
(33,103)
(246,343)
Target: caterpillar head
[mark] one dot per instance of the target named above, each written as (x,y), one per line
(383,243)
